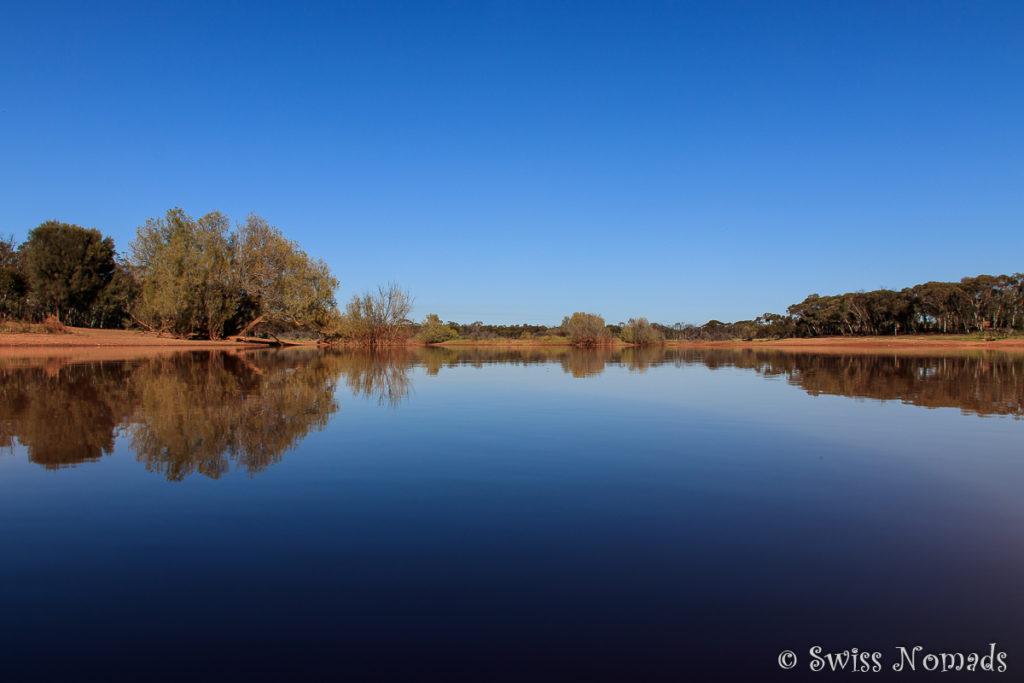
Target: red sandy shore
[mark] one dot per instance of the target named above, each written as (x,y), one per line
(83,338)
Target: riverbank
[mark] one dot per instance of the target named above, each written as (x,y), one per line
(81,338)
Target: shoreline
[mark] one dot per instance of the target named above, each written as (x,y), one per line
(84,337)
(80,339)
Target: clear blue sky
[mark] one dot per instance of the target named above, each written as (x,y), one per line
(517,161)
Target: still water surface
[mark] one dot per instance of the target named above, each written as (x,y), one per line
(493,515)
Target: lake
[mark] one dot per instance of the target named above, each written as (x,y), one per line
(487,515)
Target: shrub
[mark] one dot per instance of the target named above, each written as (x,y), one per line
(640,332)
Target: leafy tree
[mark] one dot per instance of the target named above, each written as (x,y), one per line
(13,286)
(200,277)
(640,332)
(65,267)
(113,303)
(585,329)
(282,284)
(185,267)
(433,331)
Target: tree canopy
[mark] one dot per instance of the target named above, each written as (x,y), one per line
(584,329)
(433,331)
(200,277)
(66,267)
(280,283)
(640,332)
(13,286)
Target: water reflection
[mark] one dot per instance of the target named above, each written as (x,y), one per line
(194,413)
(209,412)
(64,414)
(382,375)
(976,383)
(980,383)
(201,414)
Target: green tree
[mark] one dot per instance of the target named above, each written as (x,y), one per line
(200,277)
(186,270)
(13,286)
(585,329)
(433,331)
(282,285)
(113,303)
(65,267)
(640,332)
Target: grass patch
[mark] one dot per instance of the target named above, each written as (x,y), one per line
(49,326)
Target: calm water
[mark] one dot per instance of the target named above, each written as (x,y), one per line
(548,515)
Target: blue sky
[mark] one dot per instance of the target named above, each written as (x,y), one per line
(518,161)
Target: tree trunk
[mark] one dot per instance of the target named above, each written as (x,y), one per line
(257,320)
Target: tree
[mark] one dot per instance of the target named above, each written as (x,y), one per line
(584,329)
(376,319)
(65,267)
(640,332)
(433,331)
(113,303)
(188,281)
(281,284)
(200,277)
(13,286)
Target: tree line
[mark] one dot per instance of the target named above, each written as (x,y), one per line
(981,304)
(190,277)
(203,277)
(975,304)
(984,304)
(181,275)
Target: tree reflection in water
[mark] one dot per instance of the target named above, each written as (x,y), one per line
(64,414)
(381,375)
(203,412)
(193,413)
(979,383)
(208,412)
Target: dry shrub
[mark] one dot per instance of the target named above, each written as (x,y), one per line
(53,325)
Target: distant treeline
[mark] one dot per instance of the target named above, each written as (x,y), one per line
(192,277)
(974,305)
(981,304)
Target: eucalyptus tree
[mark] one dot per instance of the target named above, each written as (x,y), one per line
(585,329)
(640,332)
(13,286)
(200,277)
(186,271)
(433,331)
(281,284)
(65,267)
